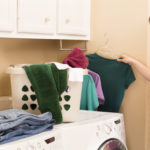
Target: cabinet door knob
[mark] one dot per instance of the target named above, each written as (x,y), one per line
(47,19)
(67,21)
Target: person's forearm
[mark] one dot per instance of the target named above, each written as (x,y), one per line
(142,69)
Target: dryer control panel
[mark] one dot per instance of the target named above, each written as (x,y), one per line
(106,130)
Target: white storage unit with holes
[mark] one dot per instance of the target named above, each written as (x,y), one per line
(24,97)
(92,131)
(45,19)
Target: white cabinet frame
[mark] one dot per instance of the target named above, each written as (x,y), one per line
(16,27)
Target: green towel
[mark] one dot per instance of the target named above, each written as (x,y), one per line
(48,83)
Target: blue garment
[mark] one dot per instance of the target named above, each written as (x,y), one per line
(16,124)
(89,99)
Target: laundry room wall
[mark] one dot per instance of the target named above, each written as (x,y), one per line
(123,24)
(22,51)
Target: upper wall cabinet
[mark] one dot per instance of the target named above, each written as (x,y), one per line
(73,17)
(37,16)
(7,15)
(45,19)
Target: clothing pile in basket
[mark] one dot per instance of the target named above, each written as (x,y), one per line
(16,124)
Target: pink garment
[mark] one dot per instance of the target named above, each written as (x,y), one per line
(76,59)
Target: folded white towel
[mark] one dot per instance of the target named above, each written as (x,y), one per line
(75,74)
(59,66)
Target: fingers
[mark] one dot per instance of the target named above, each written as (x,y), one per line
(122,58)
(126,59)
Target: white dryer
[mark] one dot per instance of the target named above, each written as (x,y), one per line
(92,131)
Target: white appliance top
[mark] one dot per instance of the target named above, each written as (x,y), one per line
(90,117)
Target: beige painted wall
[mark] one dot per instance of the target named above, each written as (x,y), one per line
(148,86)
(124,23)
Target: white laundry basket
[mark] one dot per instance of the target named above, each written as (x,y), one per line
(24,97)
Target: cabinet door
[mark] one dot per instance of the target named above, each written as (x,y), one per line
(7,15)
(73,17)
(37,16)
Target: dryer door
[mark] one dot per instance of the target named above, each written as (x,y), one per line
(112,144)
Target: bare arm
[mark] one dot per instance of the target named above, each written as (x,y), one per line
(141,68)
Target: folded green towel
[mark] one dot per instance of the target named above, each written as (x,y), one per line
(48,83)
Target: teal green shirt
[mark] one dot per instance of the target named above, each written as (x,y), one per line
(89,100)
(115,77)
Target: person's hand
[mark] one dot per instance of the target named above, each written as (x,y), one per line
(126,59)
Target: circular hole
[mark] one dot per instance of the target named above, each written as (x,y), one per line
(25,97)
(32,88)
(67,97)
(33,106)
(60,98)
(25,107)
(67,107)
(25,88)
(33,97)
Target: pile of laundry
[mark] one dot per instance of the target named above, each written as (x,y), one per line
(16,124)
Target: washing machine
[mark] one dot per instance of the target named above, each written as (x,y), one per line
(92,131)
(95,131)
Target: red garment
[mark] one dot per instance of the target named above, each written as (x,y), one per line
(76,59)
